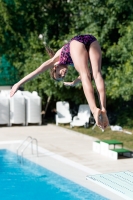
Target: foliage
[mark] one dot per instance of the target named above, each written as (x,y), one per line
(119,76)
(8,73)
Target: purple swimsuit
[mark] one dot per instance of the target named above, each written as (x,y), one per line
(65,57)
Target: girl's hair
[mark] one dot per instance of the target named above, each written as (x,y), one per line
(49,51)
(52,73)
(51,54)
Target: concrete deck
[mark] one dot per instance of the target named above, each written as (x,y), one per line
(69,145)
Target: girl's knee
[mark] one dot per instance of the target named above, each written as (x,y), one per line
(97,75)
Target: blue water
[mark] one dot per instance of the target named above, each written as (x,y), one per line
(33,182)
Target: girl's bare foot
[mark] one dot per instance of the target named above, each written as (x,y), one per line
(105,119)
(98,117)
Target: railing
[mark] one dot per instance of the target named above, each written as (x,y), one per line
(29,141)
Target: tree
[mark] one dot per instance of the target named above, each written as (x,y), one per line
(21,24)
(120,74)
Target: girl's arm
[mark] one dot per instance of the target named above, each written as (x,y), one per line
(73,83)
(45,66)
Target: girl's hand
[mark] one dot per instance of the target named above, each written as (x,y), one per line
(69,84)
(14,89)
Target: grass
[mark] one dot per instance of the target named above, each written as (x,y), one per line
(108,134)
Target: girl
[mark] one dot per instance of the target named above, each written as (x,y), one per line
(78,52)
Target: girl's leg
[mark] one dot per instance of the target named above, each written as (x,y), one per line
(80,58)
(95,60)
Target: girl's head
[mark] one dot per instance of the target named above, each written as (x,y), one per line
(58,72)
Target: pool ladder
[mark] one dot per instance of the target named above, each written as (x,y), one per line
(29,140)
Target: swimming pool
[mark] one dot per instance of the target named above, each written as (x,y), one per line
(33,182)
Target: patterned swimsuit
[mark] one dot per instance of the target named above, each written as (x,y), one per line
(65,57)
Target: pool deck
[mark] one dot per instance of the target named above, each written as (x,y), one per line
(70,146)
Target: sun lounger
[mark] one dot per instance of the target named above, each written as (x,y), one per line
(63,115)
(83,117)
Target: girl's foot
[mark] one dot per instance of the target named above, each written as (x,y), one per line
(105,119)
(98,117)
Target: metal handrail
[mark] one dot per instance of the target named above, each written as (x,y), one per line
(34,139)
(25,147)
(23,143)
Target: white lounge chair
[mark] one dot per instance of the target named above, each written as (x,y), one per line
(63,115)
(83,117)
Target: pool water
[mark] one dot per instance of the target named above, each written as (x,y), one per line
(33,182)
